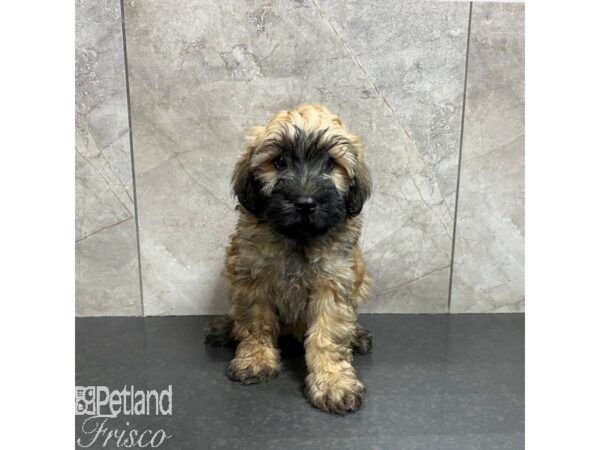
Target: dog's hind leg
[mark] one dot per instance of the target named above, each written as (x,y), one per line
(362,340)
(219,331)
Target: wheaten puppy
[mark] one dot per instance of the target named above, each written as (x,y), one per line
(294,264)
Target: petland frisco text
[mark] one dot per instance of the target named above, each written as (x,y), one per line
(104,406)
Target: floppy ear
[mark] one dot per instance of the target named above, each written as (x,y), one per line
(245,185)
(359,191)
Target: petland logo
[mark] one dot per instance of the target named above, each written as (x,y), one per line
(104,406)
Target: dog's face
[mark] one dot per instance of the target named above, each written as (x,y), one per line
(303,173)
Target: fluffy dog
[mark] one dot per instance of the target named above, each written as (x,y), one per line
(293,263)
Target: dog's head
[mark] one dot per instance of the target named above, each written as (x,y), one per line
(302,172)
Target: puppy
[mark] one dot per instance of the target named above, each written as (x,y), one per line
(293,263)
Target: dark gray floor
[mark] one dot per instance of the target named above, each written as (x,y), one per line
(433,382)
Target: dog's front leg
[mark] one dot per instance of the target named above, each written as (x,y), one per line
(256,327)
(331,384)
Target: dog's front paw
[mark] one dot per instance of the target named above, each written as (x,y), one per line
(251,371)
(335,393)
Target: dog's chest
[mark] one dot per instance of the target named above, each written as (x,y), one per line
(288,273)
(294,265)
(292,284)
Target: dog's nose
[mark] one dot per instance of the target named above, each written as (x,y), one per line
(305,205)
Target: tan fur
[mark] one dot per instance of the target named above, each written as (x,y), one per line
(315,295)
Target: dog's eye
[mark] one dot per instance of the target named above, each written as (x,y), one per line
(329,164)
(279,163)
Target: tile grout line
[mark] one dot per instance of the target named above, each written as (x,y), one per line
(135,206)
(460,150)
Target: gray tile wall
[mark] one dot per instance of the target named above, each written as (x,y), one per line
(201,72)
(107,278)
(489,260)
